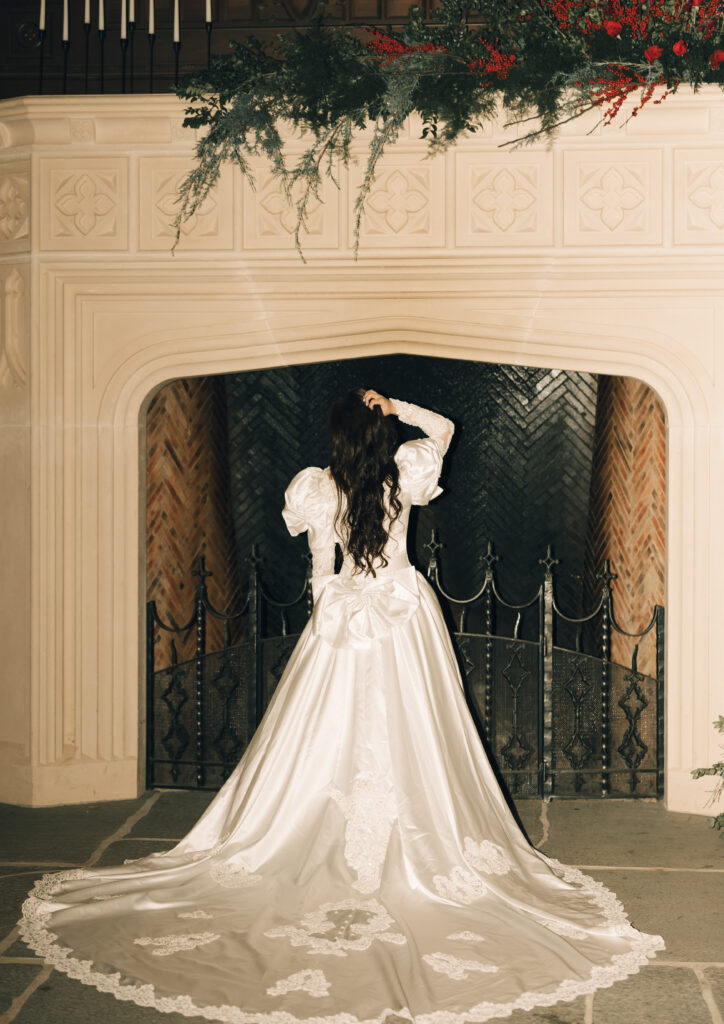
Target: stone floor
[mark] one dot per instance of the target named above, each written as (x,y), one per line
(668,869)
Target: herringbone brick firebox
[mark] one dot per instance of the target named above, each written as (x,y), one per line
(221,450)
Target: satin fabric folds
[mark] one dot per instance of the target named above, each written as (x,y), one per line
(359,862)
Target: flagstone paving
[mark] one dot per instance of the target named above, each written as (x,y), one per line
(667,869)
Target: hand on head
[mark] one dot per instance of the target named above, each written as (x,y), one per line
(374,398)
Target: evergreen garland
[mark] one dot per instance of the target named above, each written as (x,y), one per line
(545,61)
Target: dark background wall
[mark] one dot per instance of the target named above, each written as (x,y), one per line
(518,471)
(539,456)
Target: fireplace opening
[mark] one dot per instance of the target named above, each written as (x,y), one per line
(553,513)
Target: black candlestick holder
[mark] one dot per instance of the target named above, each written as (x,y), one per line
(176,52)
(102,44)
(151,44)
(209,26)
(66,49)
(86,28)
(131,30)
(41,38)
(124,50)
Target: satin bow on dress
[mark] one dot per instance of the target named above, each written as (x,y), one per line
(355,611)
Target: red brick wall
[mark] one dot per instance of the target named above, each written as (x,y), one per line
(188,508)
(628,507)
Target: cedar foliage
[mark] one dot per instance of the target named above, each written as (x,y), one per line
(545,62)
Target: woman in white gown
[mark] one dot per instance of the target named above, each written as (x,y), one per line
(360,862)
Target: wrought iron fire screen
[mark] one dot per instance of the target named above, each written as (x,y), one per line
(555,721)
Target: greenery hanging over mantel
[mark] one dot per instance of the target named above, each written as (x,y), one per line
(545,62)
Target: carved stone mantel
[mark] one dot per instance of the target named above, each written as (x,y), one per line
(604,253)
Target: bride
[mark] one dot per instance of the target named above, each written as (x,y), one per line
(360,862)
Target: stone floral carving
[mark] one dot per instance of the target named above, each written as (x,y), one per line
(204,222)
(705,191)
(14,206)
(13,336)
(399,201)
(86,203)
(505,200)
(82,129)
(275,216)
(611,195)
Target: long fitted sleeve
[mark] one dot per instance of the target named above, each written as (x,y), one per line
(436,426)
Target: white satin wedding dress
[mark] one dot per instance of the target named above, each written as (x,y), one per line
(360,862)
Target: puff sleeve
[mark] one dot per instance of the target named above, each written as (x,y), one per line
(420,465)
(309,505)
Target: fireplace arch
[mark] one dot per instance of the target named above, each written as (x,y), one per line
(100,319)
(166,348)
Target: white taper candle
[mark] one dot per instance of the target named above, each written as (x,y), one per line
(86,17)
(65,21)
(41,19)
(132,11)
(176,32)
(101,16)
(208,10)
(123,19)
(151,19)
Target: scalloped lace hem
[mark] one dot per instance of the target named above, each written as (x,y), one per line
(38,937)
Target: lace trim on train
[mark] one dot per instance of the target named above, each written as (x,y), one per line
(454,967)
(335,929)
(35,933)
(370,810)
(310,981)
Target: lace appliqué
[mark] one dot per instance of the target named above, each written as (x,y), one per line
(233,876)
(370,811)
(312,982)
(196,914)
(335,929)
(460,886)
(487,857)
(467,937)
(454,967)
(167,945)
(463,885)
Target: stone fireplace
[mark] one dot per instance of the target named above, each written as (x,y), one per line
(603,253)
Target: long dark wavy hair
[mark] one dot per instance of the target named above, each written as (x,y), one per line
(364,442)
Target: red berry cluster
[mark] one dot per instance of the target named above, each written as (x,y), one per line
(387,49)
(496,63)
(614,88)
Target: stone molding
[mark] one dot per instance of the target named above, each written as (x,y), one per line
(481,254)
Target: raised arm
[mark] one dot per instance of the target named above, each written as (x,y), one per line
(438,427)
